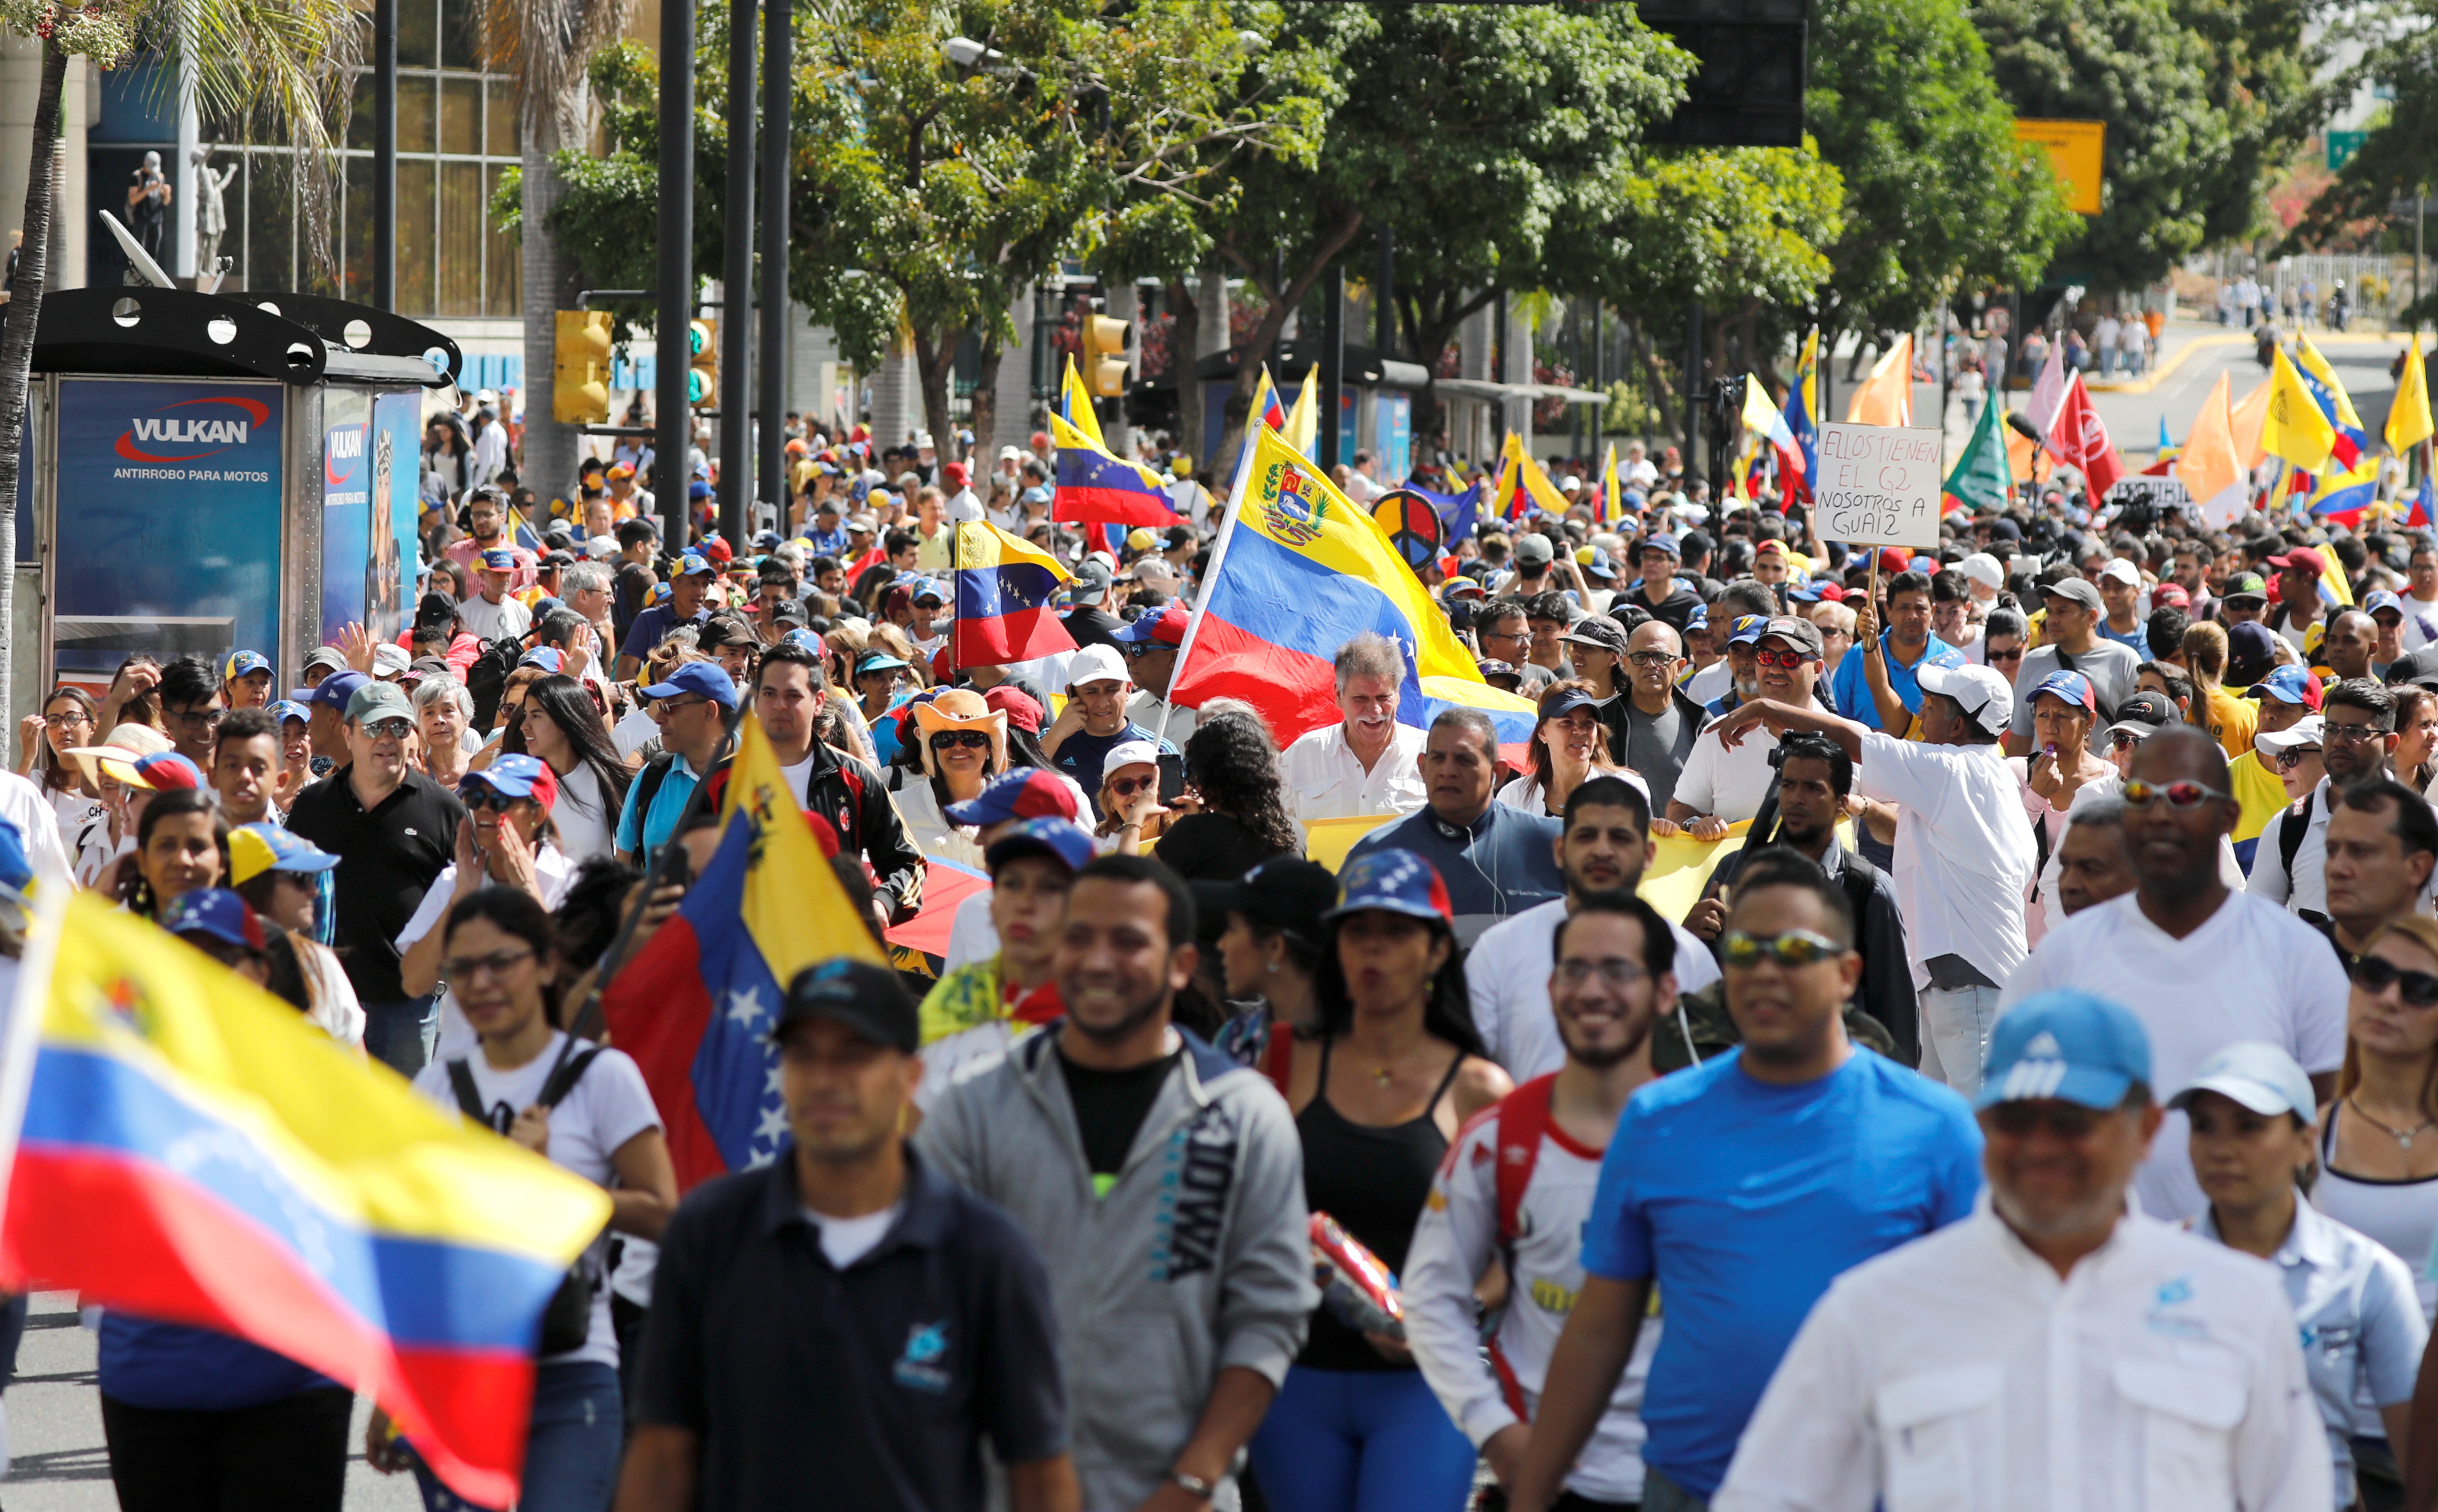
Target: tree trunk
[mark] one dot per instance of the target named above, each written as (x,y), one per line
(985,413)
(1184,355)
(1283,302)
(17,320)
(935,363)
(546,284)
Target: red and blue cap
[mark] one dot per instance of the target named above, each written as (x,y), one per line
(516,777)
(544,657)
(1063,840)
(2288,685)
(216,912)
(1026,793)
(1167,627)
(499,559)
(2070,686)
(1394,881)
(165,771)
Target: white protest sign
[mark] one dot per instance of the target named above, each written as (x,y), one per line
(2159,493)
(1879,484)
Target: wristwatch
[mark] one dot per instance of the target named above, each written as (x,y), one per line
(1192,1485)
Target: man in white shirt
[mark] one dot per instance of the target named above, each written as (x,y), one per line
(2356,736)
(490,614)
(1518,1187)
(1639,470)
(2420,598)
(1367,763)
(1604,846)
(1720,786)
(2057,1348)
(1963,853)
(2201,966)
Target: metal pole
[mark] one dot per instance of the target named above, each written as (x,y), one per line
(1693,384)
(1332,364)
(673,421)
(778,81)
(1386,315)
(386,157)
(736,279)
(1600,370)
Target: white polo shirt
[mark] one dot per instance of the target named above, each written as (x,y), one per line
(1507,974)
(2162,1374)
(1324,780)
(1728,784)
(2253,971)
(1964,853)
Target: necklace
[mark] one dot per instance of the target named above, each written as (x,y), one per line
(1379,1075)
(2402,1136)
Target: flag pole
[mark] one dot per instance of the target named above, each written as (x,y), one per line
(21,1040)
(1210,575)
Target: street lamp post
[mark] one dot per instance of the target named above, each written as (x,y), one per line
(737,281)
(675,270)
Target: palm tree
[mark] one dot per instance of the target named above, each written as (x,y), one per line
(543,44)
(286,65)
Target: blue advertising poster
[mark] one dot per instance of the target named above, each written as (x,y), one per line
(347,509)
(396,442)
(1395,428)
(168,518)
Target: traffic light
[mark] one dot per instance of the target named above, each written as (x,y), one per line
(1105,357)
(579,386)
(703,357)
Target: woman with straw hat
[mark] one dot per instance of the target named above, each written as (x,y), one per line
(964,744)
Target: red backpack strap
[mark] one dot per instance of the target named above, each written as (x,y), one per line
(1523,1119)
(1277,1056)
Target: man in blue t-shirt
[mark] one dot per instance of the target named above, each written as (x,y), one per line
(1094,722)
(1740,1189)
(689,583)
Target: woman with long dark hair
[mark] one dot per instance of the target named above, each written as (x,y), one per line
(181,844)
(68,719)
(561,726)
(1240,813)
(1568,746)
(1378,1095)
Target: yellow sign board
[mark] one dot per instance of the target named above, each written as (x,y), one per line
(2074,149)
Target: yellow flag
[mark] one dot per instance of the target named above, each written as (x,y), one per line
(1303,421)
(1886,397)
(2295,429)
(1522,480)
(1075,405)
(2408,417)
(794,906)
(1612,502)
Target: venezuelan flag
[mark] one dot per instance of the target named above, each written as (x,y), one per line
(1265,404)
(1611,507)
(1298,572)
(2328,392)
(1003,591)
(195,1151)
(2424,503)
(1456,511)
(1799,464)
(1523,486)
(2343,496)
(694,1008)
(1098,488)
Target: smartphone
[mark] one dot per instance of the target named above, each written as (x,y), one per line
(678,869)
(1172,779)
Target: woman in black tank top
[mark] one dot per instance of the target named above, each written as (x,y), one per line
(1378,1095)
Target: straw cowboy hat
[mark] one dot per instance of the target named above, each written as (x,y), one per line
(119,752)
(961,709)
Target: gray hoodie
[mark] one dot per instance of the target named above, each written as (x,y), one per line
(1198,1258)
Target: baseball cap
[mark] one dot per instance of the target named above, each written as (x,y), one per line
(165,771)
(2065,1044)
(378,700)
(335,690)
(866,998)
(1023,712)
(2288,685)
(1984,568)
(2142,713)
(1062,840)
(2383,599)
(216,912)
(2305,558)
(1815,592)
(1799,633)
(1600,631)
(2120,571)
(2246,586)
(1025,793)
(2251,651)
(2070,686)
(927,589)
(1534,550)
(691,565)
(871,662)
(706,679)
(1394,881)
(1167,627)
(254,849)
(1982,692)
(1748,629)
(286,709)
(1287,893)
(1596,563)
(2077,590)
(1092,582)
(1130,753)
(516,775)
(390,659)
(1466,588)
(2308,731)
(432,611)
(2170,596)
(544,657)
(2256,1074)
(1566,703)
(1096,663)
(245,663)
(1660,542)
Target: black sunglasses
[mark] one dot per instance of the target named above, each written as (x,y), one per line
(950,739)
(2376,973)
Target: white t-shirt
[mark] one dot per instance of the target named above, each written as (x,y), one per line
(585,819)
(551,868)
(2253,971)
(633,733)
(1711,683)
(1964,853)
(972,936)
(799,777)
(485,621)
(22,805)
(845,1241)
(1508,975)
(71,809)
(608,1107)
(2420,625)
(1524,792)
(1726,784)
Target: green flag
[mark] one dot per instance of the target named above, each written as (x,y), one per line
(1981,474)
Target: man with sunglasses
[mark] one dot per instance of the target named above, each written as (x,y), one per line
(2056,1348)
(2358,733)
(696,704)
(2201,966)
(1741,1187)
(394,830)
(1652,729)
(1721,785)
(2382,847)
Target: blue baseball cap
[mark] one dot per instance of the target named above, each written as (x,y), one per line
(254,849)
(2383,599)
(2288,685)
(1699,619)
(290,708)
(871,662)
(1394,881)
(1660,542)
(697,489)
(805,640)
(544,657)
(1024,793)
(660,593)
(335,690)
(217,912)
(1749,629)
(244,663)
(1063,840)
(516,775)
(1566,703)
(499,559)
(2070,686)
(706,679)
(15,870)
(2066,1045)
(2256,1074)
(691,565)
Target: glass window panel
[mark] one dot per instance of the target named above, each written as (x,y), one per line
(418,31)
(270,224)
(356,241)
(461,239)
(503,139)
(414,103)
(502,262)
(360,114)
(461,115)
(233,202)
(414,217)
(457,35)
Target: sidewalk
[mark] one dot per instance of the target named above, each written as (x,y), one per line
(2180,339)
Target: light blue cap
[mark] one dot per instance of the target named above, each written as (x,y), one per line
(2256,1074)
(2068,1045)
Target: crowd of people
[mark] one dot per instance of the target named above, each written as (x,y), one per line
(2036,1106)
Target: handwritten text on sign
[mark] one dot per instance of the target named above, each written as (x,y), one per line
(1879,484)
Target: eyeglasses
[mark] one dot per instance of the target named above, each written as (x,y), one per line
(1643,658)
(498,963)
(1615,970)
(1789,660)
(1129,786)
(201,720)
(482,795)
(951,739)
(2016,655)
(2376,973)
(2353,734)
(2069,1122)
(1500,635)
(669,705)
(2292,756)
(2123,741)
(389,728)
(2139,792)
(73,716)
(1797,947)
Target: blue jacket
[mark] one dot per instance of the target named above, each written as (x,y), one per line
(1501,864)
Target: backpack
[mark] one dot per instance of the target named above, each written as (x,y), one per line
(1523,1122)
(486,680)
(2289,835)
(567,1322)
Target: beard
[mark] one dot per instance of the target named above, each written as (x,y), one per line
(1126,1024)
(1601,1058)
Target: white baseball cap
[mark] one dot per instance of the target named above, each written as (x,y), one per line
(1129,753)
(1984,568)
(1983,692)
(2307,731)
(2121,570)
(1096,663)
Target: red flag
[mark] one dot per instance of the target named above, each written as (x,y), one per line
(2080,437)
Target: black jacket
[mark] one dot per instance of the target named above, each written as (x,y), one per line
(853,797)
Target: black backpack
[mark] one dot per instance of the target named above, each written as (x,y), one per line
(567,1322)
(487,679)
